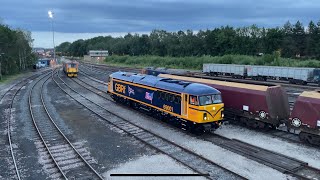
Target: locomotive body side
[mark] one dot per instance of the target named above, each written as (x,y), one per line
(170,99)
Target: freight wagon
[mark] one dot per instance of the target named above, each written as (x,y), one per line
(254,105)
(156,71)
(295,75)
(236,71)
(305,116)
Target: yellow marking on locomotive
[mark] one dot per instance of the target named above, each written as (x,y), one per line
(121,95)
(207,113)
(143,86)
(168,108)
(120,88)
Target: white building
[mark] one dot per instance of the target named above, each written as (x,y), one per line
(98,53)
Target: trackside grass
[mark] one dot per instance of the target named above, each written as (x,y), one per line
(196,62)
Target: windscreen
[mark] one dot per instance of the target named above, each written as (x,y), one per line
(210,99)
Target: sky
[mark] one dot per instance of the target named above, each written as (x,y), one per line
(83,19)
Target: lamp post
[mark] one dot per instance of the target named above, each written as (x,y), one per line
(50,14)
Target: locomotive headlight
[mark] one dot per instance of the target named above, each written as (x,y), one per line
(205,116)
(214,108)
(318,123)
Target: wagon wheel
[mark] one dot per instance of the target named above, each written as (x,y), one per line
(296,122)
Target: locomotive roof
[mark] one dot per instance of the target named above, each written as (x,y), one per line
(223,83)
(166,83)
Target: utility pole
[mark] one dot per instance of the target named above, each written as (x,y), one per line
(50,13)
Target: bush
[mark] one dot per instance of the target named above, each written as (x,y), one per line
(196,63)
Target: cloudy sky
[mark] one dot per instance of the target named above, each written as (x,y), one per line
(75,19)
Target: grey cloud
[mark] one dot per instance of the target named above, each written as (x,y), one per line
(79,16)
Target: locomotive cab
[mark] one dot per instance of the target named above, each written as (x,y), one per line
(71,69)
(206,108)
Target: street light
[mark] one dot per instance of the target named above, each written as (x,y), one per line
(50,14)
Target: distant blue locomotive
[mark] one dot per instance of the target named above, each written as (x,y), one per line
(193,105)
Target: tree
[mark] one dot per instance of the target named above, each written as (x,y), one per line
(289,39)
(63,48)
(299,39)
(288,44)
(15,49)
(311,37)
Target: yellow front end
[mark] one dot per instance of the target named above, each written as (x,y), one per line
(206,114)
(72,72)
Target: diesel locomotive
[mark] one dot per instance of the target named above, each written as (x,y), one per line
(195,107)
(70,68)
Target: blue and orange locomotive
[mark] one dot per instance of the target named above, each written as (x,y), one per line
(194,106)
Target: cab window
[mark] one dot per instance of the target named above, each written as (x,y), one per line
(216,98)
(193,100)
(178,100)
(210,99)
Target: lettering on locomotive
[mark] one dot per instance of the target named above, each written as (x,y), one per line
(168,108)
(120,88)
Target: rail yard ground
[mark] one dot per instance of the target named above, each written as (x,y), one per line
(111,148)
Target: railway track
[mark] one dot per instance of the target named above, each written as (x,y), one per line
(282,163)
(196,162)
(69,163)
(7,101)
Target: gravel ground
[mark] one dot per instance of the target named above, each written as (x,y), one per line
(232,161)
(147,165)
(108,145)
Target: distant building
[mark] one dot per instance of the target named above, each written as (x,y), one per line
(95,55)
(98,53)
